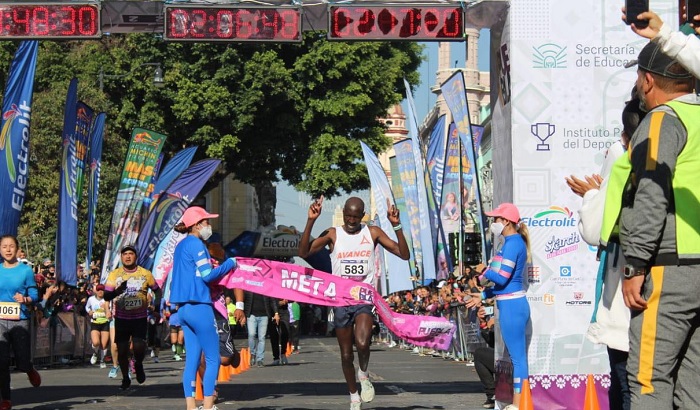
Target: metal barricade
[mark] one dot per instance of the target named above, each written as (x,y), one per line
(60,339)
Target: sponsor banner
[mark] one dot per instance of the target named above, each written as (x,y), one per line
(568,89)
(406,178)
(75,147)
(306,285)
(454,91)
(404,215)
(397,272)
(426,209)
(14,136)
(170,207)
(139,167)
(94,161)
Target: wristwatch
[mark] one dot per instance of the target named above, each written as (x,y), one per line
(630,271)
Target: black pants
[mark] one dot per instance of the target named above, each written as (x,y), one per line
(294,334)
(279,337)
(484,359)
(14,334)
(619,391)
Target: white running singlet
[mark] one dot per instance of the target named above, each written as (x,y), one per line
(353,255)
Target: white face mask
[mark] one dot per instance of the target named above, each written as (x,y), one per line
(496,229)
(205,232)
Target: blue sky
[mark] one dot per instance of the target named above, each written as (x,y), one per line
(292,207)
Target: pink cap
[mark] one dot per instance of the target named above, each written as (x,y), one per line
(507,211)
(195,214)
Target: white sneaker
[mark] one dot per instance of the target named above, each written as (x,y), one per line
(511,407)
(392,344)
(153,354)
(366,390)
(103,365)
(177,357)
(355,405)
(93,359)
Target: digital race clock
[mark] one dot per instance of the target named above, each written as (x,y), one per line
(232,23)
(376,22)
(48,20)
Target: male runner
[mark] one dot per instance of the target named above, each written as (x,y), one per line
(352,257)
(128,285)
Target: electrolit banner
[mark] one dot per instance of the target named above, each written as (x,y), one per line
(561,86)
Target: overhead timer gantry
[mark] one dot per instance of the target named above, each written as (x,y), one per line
(246,21)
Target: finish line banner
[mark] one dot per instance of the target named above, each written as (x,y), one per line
(306,285)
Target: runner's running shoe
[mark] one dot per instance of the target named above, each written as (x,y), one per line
(355,405)
(113,372)
(93,359)
(34,377)
(366,390)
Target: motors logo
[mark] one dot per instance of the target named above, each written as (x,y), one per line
(578,300)
(554,216)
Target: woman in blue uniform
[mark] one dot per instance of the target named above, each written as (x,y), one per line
(189,290)
(506,271)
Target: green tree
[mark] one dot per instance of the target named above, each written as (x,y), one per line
(272,112)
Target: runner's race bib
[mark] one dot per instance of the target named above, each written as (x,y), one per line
(354,269)
(10,310)
(132,303)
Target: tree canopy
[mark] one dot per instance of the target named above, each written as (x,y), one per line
(294,112)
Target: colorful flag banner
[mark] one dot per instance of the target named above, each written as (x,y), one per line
(95,163)
(398,273)
(83,127)
(75,140)
(400,203)
(406,179)
(306,285)
(455,95)
(176,166)
(139,168)
(169,207)
(427,237)
(14,136)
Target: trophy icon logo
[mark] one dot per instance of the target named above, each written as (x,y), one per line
(542,130)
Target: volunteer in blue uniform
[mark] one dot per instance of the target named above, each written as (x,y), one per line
(506,271)
(192,272)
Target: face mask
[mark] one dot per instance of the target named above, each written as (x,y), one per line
(496,228)
(205,232)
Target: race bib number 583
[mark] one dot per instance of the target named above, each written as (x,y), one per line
(354,269)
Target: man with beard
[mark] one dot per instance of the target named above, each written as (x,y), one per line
(352,257)
(129,285)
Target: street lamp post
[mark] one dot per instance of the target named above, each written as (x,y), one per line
(157,75)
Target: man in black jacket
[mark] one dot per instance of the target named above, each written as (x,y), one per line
(258,310)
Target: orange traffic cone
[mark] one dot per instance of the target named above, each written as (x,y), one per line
(245,360)
(198,391)
(525,396)
(289,350)
(237,370)
(591,401)
(224,374)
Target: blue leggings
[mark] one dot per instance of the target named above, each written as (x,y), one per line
(199,326)
(513,316)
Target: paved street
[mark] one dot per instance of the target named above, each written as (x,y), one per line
(312,380)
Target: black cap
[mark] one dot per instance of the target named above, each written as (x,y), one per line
(651,59)
(129,248)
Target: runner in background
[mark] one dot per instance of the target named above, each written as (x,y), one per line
(131,282)
(17,291)
(97,309)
